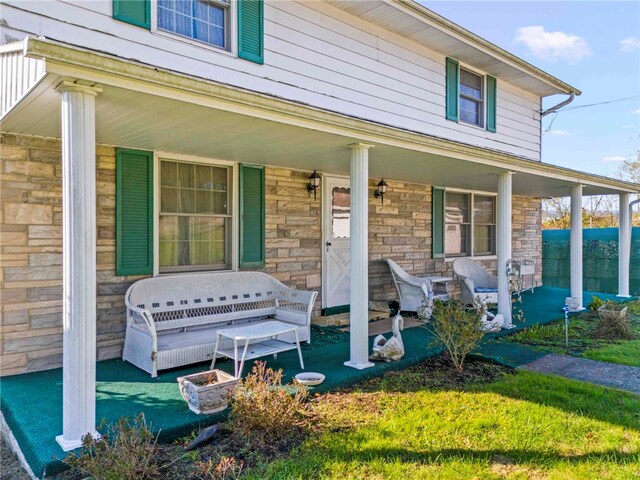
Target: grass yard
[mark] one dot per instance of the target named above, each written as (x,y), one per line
(413,425)
(582,342)
(427,421)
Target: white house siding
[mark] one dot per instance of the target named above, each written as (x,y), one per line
(31,248)
(315,53)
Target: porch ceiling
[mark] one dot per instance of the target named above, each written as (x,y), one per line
(134,119)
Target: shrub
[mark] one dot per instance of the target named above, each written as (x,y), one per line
(458,328)
(614,322)
(125,451)
(226,469)
(265,411)
(595,303)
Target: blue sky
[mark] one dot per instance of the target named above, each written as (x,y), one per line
(594,46)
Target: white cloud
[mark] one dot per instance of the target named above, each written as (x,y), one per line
(614,159)
(630,44)
(553,46)
(562,133)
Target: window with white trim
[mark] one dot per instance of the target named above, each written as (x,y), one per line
(470,224)
(206,21)
(471,98)
(195,227)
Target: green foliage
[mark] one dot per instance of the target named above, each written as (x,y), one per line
(584,337)
(614,322)
(624,353)
(595,303)
(126,450)
(265,411)
(457,328)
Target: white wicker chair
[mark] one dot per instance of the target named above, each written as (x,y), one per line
(412,290)
(475,281)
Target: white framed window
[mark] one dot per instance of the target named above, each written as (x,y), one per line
(471,98)
(470,224)
(196,216)
(204,21)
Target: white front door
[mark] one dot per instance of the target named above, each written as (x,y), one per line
(336,213)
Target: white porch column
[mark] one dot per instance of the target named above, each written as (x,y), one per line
(504,245)
(359,269)
(624,245)
(576,243)
(79,262)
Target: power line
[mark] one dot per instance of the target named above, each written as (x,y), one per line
(599,103)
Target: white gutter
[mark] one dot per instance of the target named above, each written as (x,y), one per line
(557,107)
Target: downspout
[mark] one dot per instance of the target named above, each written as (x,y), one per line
(557,107)
(628,260)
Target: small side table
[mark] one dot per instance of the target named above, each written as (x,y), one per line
(263,339)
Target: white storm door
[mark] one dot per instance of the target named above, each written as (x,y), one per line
(336,213)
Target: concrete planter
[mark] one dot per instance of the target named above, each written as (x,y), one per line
(608,313)
(207,392)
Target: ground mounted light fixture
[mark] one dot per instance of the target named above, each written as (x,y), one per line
(314,183)
(381,189)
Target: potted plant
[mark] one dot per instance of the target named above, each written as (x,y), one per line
(612,310)
(207,392)
(614,322)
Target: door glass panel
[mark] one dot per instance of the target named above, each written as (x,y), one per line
(340,212)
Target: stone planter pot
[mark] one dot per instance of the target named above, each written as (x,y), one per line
(207,392)
(606,313)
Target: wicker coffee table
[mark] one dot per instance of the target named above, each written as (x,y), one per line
(256,340)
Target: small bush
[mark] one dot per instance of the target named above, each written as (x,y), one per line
(226,469)
(595,303)
(265,411)
(614,322)
(125,451)
(458,328)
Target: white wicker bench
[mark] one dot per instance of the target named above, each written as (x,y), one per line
(173,320)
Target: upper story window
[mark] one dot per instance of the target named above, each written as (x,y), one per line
(471,98)
(470,224)
(202,20)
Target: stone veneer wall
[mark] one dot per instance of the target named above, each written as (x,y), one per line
(31,246)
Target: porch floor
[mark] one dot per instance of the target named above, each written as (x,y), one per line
(31,403)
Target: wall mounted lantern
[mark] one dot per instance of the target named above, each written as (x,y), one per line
(381,189)
(314,183)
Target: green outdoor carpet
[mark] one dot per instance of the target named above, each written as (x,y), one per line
(32,403)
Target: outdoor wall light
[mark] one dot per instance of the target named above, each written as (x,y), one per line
(381,189)
(314,183)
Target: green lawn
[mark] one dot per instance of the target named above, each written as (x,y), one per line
(626,353)
(520,426)
(582,343)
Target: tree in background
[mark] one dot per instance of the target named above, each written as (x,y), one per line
(599,211)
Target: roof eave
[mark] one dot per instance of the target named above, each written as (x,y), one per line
(474,40)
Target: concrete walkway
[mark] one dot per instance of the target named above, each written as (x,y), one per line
(600,373)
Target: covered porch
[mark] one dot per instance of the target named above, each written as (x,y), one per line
(86,99)
(32,403)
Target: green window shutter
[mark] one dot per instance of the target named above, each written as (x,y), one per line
(135,12)
(134,212)
(452,80)
(252,216)
(251,30)
(491,103)
(437,222)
